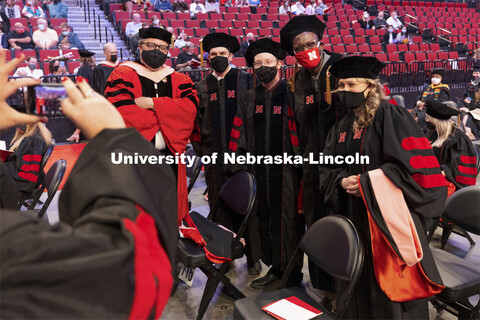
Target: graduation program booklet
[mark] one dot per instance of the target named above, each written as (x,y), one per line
(291,308)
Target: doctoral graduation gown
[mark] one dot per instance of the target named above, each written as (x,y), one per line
(24,164)
(86,72)
(112,253)
(458,159)
(440,92)
(396,145)
(100,77)
(175,106)
(264,125)
(217,107)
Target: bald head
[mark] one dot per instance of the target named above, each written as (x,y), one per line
(136,17)
(250,36)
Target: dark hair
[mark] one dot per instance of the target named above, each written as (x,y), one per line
(30,58)
(51,65)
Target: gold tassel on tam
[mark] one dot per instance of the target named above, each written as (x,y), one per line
(329,93)
(292,79)
(172,42)
(201,53)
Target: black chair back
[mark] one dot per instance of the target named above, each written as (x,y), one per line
(47,155)
(52,181)
(194,170)
(239,191)
(463,209)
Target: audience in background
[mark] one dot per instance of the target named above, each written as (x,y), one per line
(31,10)
(3,38)
(297,8)
(179,6)
(69,39)
(132,29)
(403,38)
(321,8)
(136,39)
(212,6)
(254,3)
(12,10)
(197,7)
(244,45)
(31,70)
(379,22)
(56,68)
(184,61)
(365,22)
(162,5)
(156,22)
(310,10)
(390,36)
(19,38)
(44,37)
(181,41)
(394,21)
(58,9)
(285,8)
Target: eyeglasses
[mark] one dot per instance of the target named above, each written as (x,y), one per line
(153,46)
(258,64)
(308,46)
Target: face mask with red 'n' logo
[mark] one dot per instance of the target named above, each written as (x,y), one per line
(309,59)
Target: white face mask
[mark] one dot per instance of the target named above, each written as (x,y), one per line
(435,81)
(41,27)
(404,30)
(390,30)
(30,3)
(157,21)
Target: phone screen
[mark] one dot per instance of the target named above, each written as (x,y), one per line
(48,98)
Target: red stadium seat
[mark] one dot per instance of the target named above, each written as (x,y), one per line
(381,56)
(216,16)
(56,22)
(435,47)
(402,48)
(345,32)
(226,24)
(177,23)
(391,48)
(202,16)
(239,24)
(420,56)
(250,30)
(192,23)
(370,32)
(27,53)
(348,40)
(255,17)
(237,32)
(413,47)
(359,32)
(121,15)
(265,32)
(72,65)
(253,24)
(351,49)
(44,54)
(8,55)
(360,40)
(266,24)
(233,10)
(393,57)
(453,55)
(409,57)
(183,16)
(336,40)
(338,49)
(376,48)
(363,48)
(23,21)
(243,16)
(239,62)
(211,23)
(230,16)
(201,32)
(443,55)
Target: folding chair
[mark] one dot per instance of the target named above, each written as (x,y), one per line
(238,193)
(460,277)
(51,182)
(343,261)
(194,170)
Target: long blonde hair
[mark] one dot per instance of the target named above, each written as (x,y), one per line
(30,131)
(444,129)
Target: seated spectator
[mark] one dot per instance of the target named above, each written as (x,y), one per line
(135,40)
(179,6)
(284,8)
(171,30)
(12,10)
(254,3)
(31,70)
(132,29)
(156,22)
(181,41)
(310,9)
(402,37)
(57,9)
(394,21)
(244,45)
(321,8)
(44,37)
(31,10)
(390,37)
(162,5)
(469,105)
(69,39)
(3,38)
(240,3)
(5,21)
(366,23)
(298,8)
(185,57)
(379,22)
(197,7)
(56,70)
(20,39)
(212,6)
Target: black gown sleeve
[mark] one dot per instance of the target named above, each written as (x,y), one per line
(238,137)
(112,254)
(444,95)
(98,82)
(9,192)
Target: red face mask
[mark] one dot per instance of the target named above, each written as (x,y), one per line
(20,31)
(309,59)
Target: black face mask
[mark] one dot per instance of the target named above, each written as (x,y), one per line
(266,74)
(219,63)
(430,126)
(55,68)
(113,57)
(154,58)
(351,100)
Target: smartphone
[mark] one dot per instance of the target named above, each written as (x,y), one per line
(47,100)
(62,63)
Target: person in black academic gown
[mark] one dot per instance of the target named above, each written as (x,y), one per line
(103,70)
(264,125)
(218,96)
(315,112)
(111,255)
(469,106)
(86,70)
(394,281)
(452,147)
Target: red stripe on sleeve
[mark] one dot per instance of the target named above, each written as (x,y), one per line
(195,137)
(467,170)
(291,125)
(232,146)
(468,160)
(237,121)
(466,180)
(290,112)
(294,140)
(30,167)
(429,181)
(423,162)
(412,143)
(32,157)
(28,176)
(235,133)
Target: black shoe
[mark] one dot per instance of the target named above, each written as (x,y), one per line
(268,280)
(254,268)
